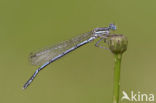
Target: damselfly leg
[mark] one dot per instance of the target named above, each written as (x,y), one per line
(97,44)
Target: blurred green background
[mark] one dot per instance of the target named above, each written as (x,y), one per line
(85,75)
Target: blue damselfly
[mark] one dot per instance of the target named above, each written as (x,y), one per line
(47,56)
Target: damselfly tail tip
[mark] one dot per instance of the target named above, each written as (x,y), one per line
(25,86)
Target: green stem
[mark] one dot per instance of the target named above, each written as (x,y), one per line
(116,85)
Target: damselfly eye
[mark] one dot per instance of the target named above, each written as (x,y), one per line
(112,26)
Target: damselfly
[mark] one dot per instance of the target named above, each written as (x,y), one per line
(47,56)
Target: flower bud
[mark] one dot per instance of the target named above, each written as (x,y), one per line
(117,43)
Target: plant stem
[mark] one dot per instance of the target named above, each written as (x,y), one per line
(117,44)
(116,85)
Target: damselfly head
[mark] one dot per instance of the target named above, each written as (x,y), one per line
(112,27)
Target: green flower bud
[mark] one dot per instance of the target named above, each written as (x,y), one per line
(117,43)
